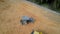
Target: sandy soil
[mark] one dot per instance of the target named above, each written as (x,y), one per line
(46,20)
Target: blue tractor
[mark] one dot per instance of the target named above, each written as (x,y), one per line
(26,20)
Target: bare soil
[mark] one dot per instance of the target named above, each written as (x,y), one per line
(46,20)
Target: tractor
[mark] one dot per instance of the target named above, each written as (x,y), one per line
(26,20)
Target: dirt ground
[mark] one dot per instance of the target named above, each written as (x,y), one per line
(46,20)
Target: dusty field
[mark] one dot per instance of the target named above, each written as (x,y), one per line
(47,20)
